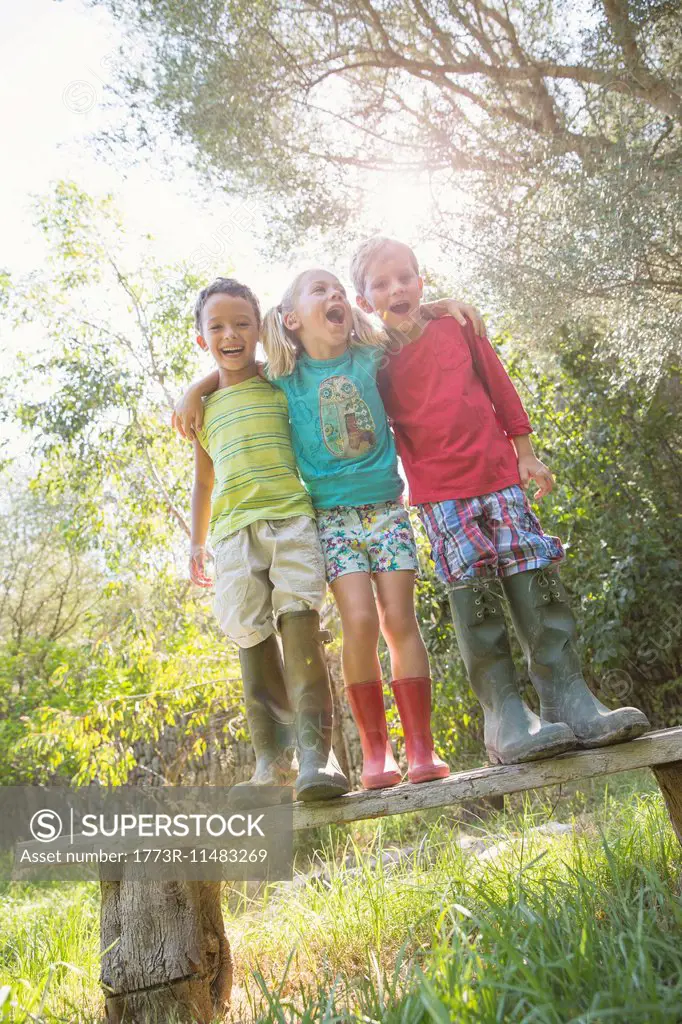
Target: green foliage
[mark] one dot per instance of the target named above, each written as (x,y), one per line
(617,455)
(549,136)
(75,711)
(102,645)
(91,663)
(506,923)
(96,395)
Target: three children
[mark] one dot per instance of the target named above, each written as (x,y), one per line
(462,435)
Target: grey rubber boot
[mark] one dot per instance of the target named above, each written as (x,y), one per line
(513,733)
(547,629)
(309,690)
(271,726)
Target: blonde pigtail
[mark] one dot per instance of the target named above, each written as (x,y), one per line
(365,333)
(281,350)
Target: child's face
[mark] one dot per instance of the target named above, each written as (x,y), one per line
(393,289)
(230,331)
(322,313)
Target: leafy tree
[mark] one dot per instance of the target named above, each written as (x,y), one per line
(102,641)
(618,457)
(555,126)
(95,665)
(96,397)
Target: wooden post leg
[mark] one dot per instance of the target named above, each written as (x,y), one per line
(669,778)
(170,959)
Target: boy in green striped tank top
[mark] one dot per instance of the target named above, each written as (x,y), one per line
(269,565)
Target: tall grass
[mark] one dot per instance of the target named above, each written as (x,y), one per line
(531,927)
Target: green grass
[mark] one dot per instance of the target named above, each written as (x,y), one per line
(541,928)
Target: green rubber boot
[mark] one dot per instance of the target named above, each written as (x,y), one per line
(308,686)
(270,722)
(512,732)
(547,630)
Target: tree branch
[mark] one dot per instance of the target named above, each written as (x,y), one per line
(652,91)
(170,504)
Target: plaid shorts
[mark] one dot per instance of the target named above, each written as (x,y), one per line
(494,535)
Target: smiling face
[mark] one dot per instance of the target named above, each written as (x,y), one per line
(230,333)
(393,289)
(321,318)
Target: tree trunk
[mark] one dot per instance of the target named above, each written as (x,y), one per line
(669,778)
(165,955)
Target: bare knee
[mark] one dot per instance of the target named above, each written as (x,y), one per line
(361,624)
(398,623)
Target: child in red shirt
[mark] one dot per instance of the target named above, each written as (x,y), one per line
(463,436)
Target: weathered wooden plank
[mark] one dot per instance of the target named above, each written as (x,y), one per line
(655,748)
(649,751)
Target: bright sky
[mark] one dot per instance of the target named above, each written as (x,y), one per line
(55,63)
(57,58)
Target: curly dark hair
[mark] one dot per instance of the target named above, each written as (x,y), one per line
(228,286)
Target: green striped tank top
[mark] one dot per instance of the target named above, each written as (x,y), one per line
(246,433)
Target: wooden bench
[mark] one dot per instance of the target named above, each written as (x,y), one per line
(661,751)
(164,946)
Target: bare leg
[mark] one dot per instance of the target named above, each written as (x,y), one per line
(411,676)
(360,623)
(362,673)
(399,626)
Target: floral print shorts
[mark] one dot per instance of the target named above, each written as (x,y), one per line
(366,538)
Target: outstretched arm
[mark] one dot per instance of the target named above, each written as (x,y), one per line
(189,411)
(204,477)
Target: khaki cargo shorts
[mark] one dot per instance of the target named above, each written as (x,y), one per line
(266,569)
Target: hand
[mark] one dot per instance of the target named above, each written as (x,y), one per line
(459,310)
(530,468)
(188,415)
(197,566)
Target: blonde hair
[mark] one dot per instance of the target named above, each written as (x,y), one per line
(368,251)
(283,348)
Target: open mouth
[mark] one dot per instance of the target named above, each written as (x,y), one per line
(400,308)
(233,350)
(336,314)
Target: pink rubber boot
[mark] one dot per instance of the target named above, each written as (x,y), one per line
(379,767)
(413,697)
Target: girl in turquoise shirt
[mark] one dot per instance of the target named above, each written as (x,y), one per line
(324,356)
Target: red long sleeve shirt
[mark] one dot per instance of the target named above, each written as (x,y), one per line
(453,409)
